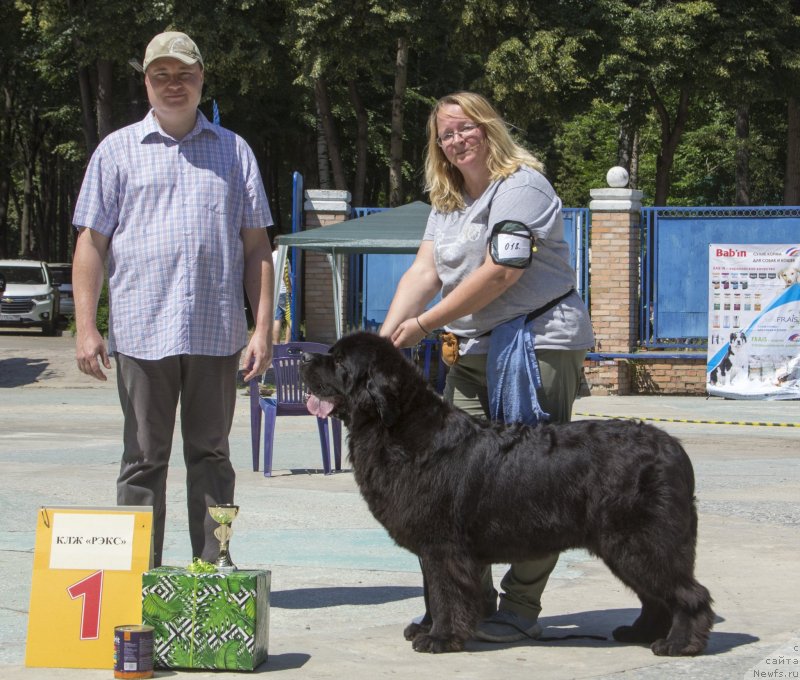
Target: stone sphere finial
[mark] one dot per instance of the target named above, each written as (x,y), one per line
(617,177)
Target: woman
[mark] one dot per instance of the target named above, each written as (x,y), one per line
(494,245)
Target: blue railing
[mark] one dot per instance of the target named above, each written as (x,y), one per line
(576,234)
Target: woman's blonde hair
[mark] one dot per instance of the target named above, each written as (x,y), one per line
(445,183)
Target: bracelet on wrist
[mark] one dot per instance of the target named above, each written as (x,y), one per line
(422,328)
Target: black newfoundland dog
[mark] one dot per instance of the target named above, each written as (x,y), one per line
(461,493)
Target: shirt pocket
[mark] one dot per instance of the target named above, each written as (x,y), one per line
(213,193)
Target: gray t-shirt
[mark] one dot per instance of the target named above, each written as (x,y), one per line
(460,244)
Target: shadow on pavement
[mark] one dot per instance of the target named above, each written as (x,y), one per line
(317,598)
(568,630)
(21,371)
(274,663)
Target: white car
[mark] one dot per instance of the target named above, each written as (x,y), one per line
(30,298)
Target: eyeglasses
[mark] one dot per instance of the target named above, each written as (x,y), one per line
(468,130)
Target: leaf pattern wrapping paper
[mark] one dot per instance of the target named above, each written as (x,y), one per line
(214,621)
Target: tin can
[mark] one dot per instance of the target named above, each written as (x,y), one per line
(133,652)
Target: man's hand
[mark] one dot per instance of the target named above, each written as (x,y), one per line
(90,352)
(257,356)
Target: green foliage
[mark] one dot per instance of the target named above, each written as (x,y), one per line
(587,148)
(568,75)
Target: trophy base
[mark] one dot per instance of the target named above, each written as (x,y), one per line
(224,562)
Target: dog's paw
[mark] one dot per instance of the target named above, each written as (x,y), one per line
(667,647)
(425,643)
(413,629)
(634,634)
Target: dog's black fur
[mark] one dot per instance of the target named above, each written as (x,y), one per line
(461,493)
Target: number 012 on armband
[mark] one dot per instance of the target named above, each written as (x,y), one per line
(87,580)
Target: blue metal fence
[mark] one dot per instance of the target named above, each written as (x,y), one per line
(576,234)
(673,303)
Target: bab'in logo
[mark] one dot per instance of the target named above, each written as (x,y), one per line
(795,337)
(793,251)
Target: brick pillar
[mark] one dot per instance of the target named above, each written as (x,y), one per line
(614,280)
(322,207)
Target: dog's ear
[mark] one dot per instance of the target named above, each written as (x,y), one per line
(383,394)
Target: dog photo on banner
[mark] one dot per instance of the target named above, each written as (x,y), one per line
(754,321)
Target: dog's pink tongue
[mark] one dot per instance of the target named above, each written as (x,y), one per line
(319,407)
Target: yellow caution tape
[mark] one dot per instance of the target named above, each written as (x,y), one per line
(689,420)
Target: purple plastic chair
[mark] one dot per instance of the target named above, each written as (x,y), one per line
(289,400)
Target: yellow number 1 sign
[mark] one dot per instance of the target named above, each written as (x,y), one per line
(87,580)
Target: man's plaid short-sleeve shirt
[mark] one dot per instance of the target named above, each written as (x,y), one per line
(174,211)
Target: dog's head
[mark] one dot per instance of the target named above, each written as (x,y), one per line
(363,376)
(790,275)
(738,340)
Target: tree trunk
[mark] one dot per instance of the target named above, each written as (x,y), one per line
(742,159)
(791,182)
(137,99)
(30,155)
(361,144)
(323,164)
(87,111)
(46,223)
(633,174)
(64,212)
(331,135)
(26,231)
(105,78)
(671,134)
(396,144)
(7,149)
(625,146)
(625,138)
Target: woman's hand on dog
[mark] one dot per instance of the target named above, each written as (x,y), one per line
(408,334)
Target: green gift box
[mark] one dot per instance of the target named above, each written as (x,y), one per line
(213,621)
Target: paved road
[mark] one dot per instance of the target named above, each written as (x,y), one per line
(342,592)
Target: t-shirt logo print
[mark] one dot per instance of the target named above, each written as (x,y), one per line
(472,232)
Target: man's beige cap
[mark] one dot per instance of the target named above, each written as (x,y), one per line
(172,44)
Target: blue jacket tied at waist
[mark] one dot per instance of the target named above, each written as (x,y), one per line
(512,374)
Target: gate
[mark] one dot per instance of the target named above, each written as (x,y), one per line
(673,299)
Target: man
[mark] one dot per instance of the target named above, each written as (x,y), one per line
(177,206)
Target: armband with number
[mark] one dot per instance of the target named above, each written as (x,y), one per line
(512,244)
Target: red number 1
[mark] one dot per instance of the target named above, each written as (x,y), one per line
(91,590)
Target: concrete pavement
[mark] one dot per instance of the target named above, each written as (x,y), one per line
(342,592)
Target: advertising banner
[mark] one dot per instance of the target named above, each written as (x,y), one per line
(754,321)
